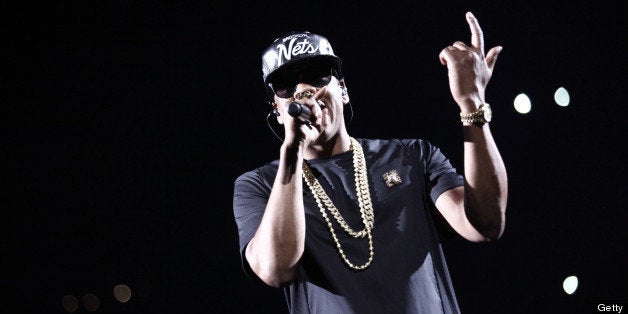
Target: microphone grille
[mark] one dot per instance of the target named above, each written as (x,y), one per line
(295,109)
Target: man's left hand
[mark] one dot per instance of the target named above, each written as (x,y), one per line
(469,70)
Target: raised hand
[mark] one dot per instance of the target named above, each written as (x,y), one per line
(469,69)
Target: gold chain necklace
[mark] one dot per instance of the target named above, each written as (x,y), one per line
(364,201)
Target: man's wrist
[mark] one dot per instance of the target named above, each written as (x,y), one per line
(482,115)
(293,148)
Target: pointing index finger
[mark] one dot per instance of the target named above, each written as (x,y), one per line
(477,38)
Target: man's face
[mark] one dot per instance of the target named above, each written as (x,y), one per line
(327,100)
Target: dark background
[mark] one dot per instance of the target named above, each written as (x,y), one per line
(126,123)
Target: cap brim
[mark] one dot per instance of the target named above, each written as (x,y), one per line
(332,60)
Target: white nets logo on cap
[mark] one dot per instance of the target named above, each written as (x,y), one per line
(295,46)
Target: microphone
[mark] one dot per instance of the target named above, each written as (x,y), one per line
(299,111)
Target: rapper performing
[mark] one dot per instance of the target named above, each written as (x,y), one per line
(353,225)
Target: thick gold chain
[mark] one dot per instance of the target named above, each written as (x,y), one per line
(364,202)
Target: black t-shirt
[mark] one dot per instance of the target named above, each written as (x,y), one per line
(408,274)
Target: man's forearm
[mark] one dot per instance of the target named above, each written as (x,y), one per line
(486,186)
(278,244)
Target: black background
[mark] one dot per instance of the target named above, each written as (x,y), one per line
(126,123)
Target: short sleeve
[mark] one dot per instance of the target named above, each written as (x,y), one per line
(441,175)
(249,202)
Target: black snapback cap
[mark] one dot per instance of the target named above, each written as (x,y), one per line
(294,48)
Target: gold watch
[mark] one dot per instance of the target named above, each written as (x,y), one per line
(482,115)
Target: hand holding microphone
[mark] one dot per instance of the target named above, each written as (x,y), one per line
(307,122)
(299,111)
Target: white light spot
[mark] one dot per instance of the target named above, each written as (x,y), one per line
(570,284)
(522,103)
(122,293)
(561,97)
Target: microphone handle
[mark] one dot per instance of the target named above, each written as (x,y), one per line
(299,111)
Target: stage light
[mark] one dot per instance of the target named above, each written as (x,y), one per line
(522,103)
(91,302)
(70,303)
(561,97)
(122,293)
(570,284)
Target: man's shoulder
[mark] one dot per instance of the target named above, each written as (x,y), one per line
(263,173)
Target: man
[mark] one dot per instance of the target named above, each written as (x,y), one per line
(348,225)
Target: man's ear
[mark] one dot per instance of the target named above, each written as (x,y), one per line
(344,93)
